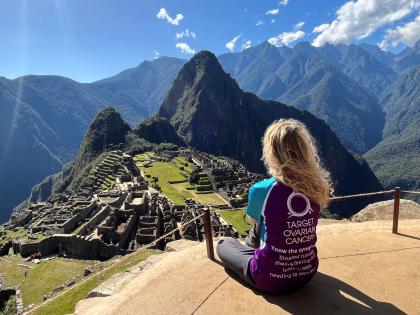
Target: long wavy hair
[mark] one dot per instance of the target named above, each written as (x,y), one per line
(290,155)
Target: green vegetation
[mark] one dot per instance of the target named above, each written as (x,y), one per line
(236,218)
(66,302)
(17,233)
(172,179)
(40,278)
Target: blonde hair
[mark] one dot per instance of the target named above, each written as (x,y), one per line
(290,155)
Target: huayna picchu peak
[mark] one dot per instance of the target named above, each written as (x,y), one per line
(211,113)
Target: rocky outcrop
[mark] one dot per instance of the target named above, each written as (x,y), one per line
(384,211)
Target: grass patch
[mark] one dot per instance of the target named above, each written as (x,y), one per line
(236,218)
(168,172)
(42,278)
(211,199)
(66,303)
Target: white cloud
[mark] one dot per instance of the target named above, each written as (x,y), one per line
(320,28)
(272,20)
(283,2)
(246,45)
(186,33)
(259,22)
(272,12)
(407,34)
(285,38)
(185,48)
(156,53)
(299,25)
(359,19)
(231,45)
(164,15)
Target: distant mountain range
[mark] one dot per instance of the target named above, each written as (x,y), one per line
(396,159)
(43,118)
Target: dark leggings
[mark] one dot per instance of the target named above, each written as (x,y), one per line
(236,257)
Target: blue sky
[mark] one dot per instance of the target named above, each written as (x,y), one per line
(87,40)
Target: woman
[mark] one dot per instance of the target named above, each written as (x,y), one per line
(286,209)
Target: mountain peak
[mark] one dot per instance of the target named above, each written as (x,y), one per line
(204,61)
(201,77)
(107,129)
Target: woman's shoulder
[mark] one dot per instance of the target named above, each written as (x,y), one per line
(264,184)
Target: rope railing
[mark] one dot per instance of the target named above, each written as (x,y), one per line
(411,192)
(384,192)
(397,196)
(209,244)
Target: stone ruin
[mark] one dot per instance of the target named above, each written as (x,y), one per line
(229,178)
(99,224)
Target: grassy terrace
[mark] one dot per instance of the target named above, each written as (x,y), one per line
(66,302)
(40,278)
(236,218)
(172,178)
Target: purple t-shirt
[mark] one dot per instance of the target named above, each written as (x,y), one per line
(287,257)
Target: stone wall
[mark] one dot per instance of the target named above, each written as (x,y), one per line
(70,224)
(74,246)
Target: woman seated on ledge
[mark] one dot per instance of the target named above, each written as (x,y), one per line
(285,211)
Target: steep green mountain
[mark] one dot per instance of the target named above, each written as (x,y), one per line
(43,119)
(396,159)
(319,82)
(401,102)
(107,132)
(107,129)
(209,110)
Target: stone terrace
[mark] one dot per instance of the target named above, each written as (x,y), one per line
(227,177)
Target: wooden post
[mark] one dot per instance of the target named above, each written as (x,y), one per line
(208,230)
(396,210)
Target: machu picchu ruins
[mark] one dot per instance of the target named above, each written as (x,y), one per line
(126,207)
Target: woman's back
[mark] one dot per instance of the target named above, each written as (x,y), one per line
(286,207)
(287,257)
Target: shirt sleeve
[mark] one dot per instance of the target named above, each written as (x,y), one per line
(255,203)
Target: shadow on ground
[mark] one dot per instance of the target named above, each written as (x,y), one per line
(326,295)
